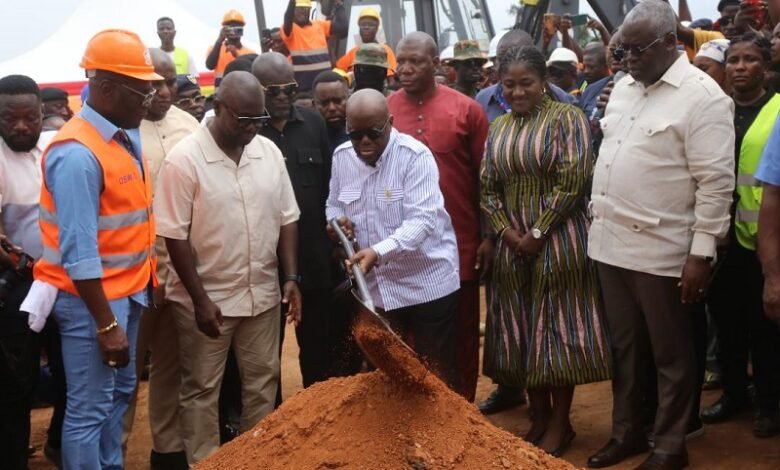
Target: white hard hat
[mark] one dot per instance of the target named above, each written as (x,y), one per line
(493,50)
(563,54)
(447,54)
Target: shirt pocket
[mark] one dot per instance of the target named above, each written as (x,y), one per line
(390,203)
(310,164)
(659,134)
(633,220)
(348,196)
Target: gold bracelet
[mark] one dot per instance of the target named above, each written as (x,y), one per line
(106,329)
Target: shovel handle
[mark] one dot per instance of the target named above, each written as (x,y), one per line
(360,279)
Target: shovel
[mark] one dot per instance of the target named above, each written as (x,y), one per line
(381,345)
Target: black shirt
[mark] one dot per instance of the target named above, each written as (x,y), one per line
(336,136)
(306,150)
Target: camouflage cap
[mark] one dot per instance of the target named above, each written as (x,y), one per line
(468,49)
(372,54)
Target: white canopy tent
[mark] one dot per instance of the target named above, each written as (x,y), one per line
(56,57)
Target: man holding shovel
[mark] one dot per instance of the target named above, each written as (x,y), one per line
(384,191)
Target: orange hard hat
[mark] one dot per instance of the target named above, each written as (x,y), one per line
(119,51)
(233,16)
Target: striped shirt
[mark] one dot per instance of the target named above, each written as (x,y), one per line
(397,209)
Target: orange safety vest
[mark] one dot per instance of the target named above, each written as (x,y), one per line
(126,231)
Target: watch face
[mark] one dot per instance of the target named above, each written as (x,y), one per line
(536,233)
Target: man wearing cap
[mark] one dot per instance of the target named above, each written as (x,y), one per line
(188,97)
(468,62)
(368,23)
(166,31)
(562,69)
(55,102)
(98,245)
(228,45)
(312,44)
(371,67)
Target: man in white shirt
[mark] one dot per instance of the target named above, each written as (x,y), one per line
(21,148)
(225,205)
(164,127)
(662,191)
(384,191)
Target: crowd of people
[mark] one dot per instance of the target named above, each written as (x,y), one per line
(617,200)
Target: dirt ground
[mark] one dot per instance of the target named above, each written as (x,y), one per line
(723,447)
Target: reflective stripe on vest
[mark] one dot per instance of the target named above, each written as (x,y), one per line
(748,189)
(181,59)
(125,234)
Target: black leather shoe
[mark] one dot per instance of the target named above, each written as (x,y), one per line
(766,424)
(503,398)
(664,462)
(168,461)
(615,452)
(723,410)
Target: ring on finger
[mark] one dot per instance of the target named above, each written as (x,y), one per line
(111,363)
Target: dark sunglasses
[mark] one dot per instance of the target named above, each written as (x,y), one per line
(288,89)
(246,121)
(620,52)
(372,133)
(477,63)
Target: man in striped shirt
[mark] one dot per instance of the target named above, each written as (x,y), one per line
(384,190)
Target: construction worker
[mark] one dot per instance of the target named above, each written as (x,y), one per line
(98,245)
(228,45)
(468,61)
(166,31)
(368,24)
(312,44)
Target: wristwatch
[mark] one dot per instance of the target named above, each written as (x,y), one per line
(537,234)
(292,277)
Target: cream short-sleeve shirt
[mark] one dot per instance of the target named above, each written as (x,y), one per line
(231,214)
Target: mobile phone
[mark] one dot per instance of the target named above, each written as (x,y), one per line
(579,20)
(236,30)
(266,34)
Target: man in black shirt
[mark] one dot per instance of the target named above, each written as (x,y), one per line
(302,137)
(330,98)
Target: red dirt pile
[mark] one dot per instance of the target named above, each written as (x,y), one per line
(370,421)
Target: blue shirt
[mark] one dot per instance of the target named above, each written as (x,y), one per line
(591,95)
(769,167)
(490,99)
(71,165)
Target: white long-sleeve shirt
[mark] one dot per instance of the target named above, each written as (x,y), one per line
(663,181)
(397,208)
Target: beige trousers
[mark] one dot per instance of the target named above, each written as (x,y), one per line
(255,342)
(158,335)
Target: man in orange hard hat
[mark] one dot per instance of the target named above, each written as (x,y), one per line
(228,45)
(368,23)
(312,44)
(98,239)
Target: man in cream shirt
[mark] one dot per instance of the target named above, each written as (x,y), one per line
(662,191)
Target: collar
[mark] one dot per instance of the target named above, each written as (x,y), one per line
(40,146)
(673,76)
(213,154)
(295,114)
(385,154)
(105,128)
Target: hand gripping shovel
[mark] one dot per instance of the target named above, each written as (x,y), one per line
(381,345)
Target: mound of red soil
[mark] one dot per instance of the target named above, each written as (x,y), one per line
(372,422)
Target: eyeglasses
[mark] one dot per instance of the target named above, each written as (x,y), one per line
(191,101)
(372,133)
(288,89)
(146,98)
(622,49)
(472,63)
(246,121)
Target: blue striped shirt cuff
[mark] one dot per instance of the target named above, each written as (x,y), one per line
(84,269)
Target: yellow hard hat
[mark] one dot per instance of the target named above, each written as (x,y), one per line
(302,3)
(233,16)
(369,12)
(119,51)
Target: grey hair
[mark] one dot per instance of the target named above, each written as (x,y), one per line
(659,13)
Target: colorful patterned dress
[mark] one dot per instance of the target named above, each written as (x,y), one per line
(546,327)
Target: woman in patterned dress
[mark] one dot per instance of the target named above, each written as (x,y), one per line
(549,334)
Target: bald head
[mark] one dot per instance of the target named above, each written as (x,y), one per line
(514,38)
(241,90)
(370,124)
(418,39)
(161,59)
(272,68)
